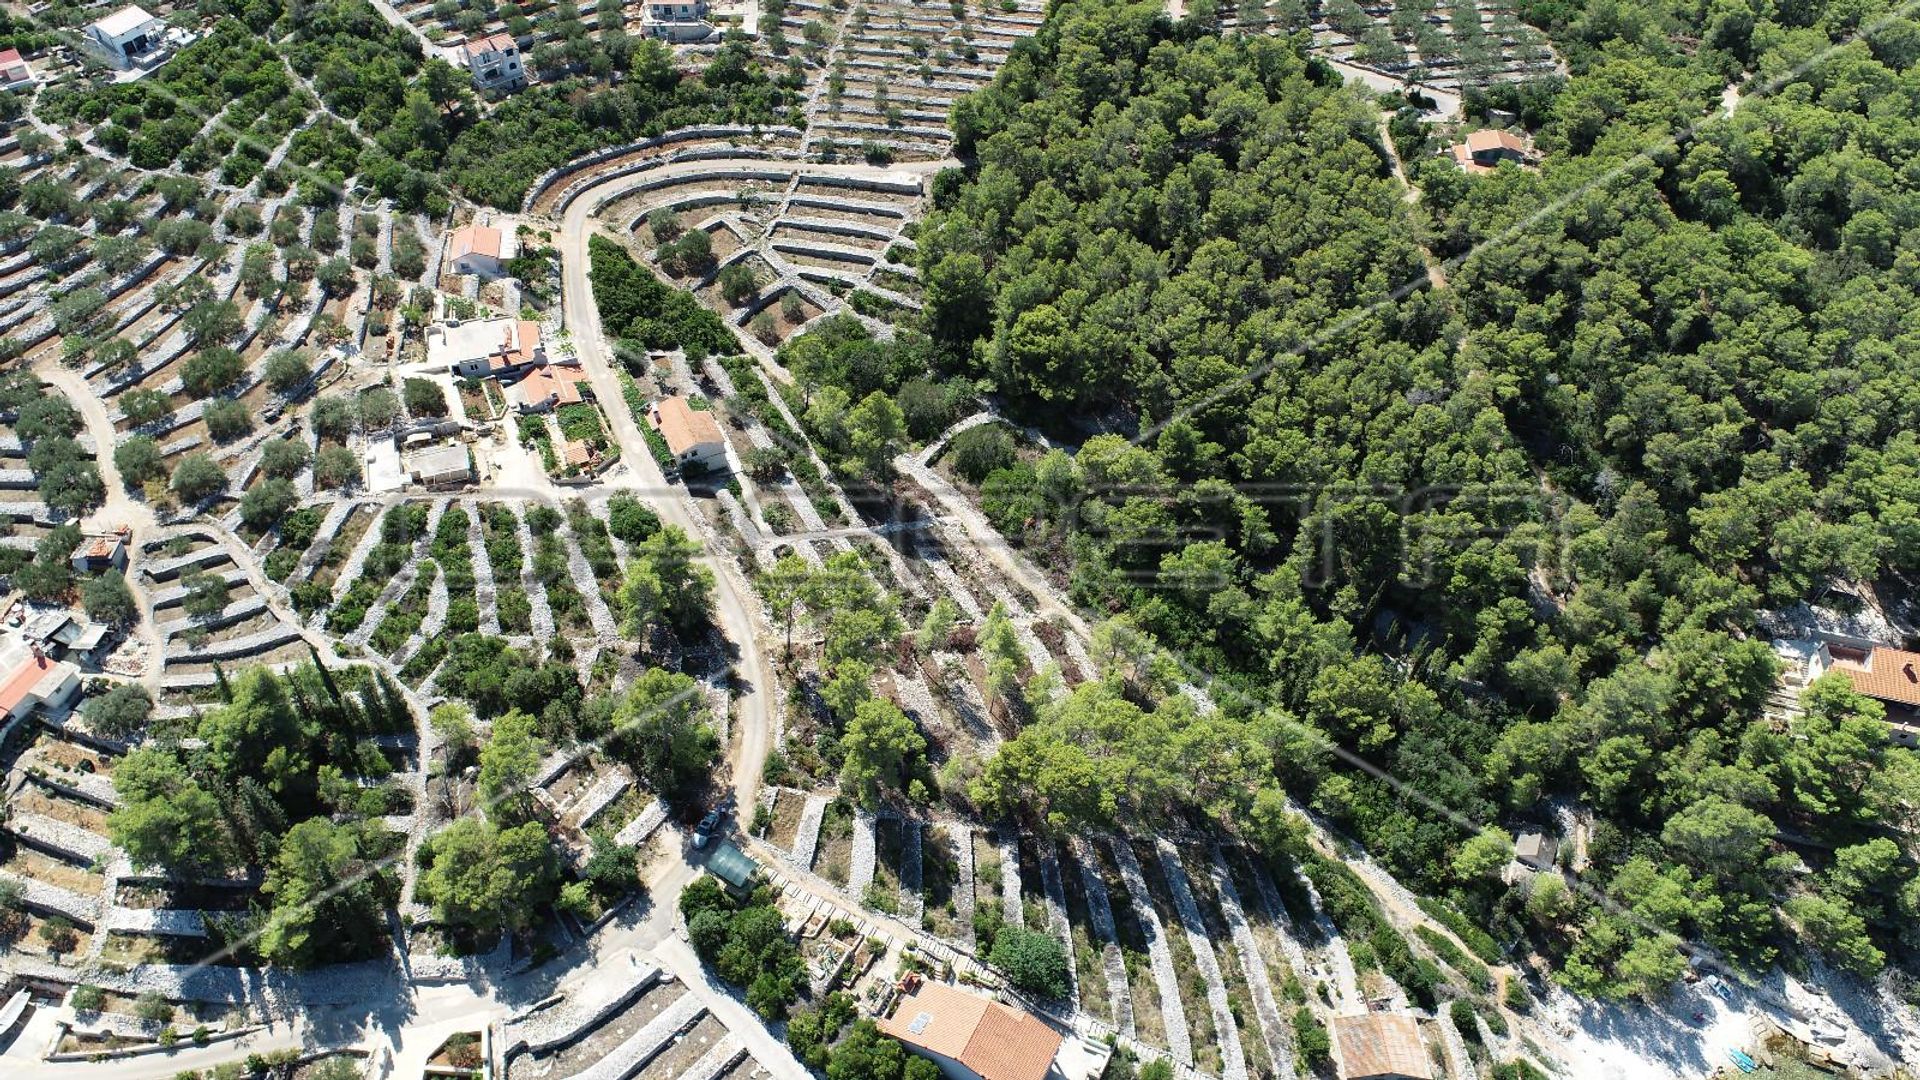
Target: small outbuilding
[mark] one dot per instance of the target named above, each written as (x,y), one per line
(735,868)
(63,634)
(98,554)
(1535,850)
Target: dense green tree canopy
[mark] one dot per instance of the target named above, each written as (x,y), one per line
(1502,539)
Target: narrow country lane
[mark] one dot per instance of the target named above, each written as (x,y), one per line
(736,606)
(118,508)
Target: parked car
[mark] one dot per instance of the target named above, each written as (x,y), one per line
(703,832)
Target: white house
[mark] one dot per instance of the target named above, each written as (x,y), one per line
(481,250)
(97,554)
(486,348)
(441,466)
(1887,675)
(31,680)
(494,62)
(127,36)
(972,1037)
(677,21)
(15,73)
(692,435)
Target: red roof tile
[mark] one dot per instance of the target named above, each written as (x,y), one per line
(1883,674)
(20,684)
(997,1042)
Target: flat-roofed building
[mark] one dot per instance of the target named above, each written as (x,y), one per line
(676,21)
(63,634)
(441,466)
(486,348)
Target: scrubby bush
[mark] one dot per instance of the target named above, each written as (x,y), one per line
(336,467)
(284,458)
(288,368)
(228,418)
(978,452)
(197,477)
(1033,961)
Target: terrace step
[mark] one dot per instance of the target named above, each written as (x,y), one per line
(1173,1012)
(806,842)
(53,899)
(1100,909)
(646,1044)
(54,835)
(160,922)
(719,1058)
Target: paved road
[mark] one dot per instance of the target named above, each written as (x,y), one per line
(432,51)
(734,603)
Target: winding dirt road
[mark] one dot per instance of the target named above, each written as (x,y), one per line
(736,606)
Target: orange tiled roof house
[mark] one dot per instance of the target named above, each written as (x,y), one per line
(1887,675)
(972,1037)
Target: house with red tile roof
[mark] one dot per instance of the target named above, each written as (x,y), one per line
(30,681)
(482,250)
(1887,675)
(972,1037)
(1380,1046)
(547,388)
(97,554)
(495,63)
(693,435)
(1484,150)
(15,73)
(579,454)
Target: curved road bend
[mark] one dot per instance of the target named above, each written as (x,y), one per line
(735,603)
(118,508)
